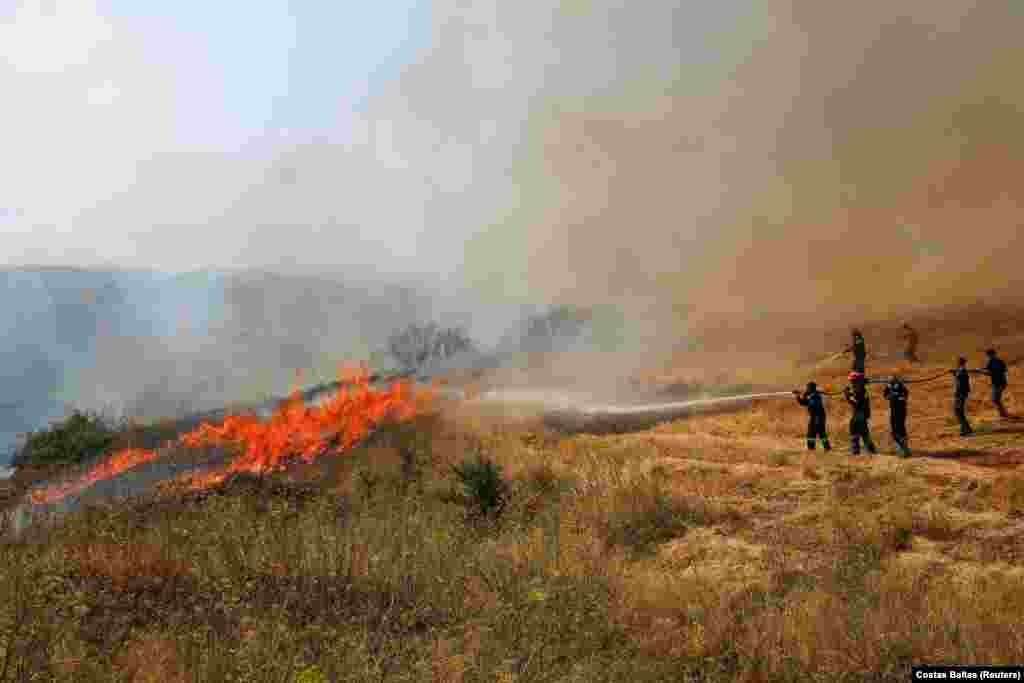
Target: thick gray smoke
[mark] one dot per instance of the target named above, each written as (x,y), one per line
(149,345)
(738,157)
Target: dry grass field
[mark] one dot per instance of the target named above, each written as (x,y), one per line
(711,549)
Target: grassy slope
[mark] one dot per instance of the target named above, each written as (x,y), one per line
(714,545)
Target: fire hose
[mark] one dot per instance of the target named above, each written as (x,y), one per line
(597,419)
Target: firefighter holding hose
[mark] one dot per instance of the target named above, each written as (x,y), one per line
(961,390)
(815,404)
(856,394)
(996,370)
(896,393)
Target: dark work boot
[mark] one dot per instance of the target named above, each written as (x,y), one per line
(826,445)
(810,444)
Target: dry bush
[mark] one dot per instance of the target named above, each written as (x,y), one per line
(1007,493)
(644,513)
(862,538)
(151,659)
(810,471)
(936,521)
(122,562)
(447,667)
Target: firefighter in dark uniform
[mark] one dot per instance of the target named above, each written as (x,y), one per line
(856,394)
(961,390)
(815,404)
(996,370)
(896,393)
(859,351)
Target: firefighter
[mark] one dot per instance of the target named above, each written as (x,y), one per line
(896,393)
(961,390)
(856,394)
(815,404)
(910,335)
(996,370)
(859,351)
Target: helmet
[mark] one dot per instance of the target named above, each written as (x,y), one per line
(855,375)
(991,352)
(811,386)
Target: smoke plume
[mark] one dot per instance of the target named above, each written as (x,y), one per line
(747,158)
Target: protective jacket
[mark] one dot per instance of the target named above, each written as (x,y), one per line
(996,369)
(857,396)
(814,403)
(962,385)
(897,394)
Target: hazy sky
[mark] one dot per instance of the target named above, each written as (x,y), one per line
(551,149)
(129,124)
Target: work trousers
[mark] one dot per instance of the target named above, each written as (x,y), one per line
(997,399)
(816,429)
(898,425)
(960,409)
(859,429)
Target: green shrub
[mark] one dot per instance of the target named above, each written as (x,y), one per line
(644,515)
(80,437)
(484,490)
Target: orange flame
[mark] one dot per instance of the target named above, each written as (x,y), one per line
(296,431)
(119,462)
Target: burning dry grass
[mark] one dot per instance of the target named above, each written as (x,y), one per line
(298,432)
(117,463)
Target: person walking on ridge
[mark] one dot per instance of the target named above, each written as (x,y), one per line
(856,394)
(961,390)
(996,370)
(910,335)
(859,351)
(816,424)
(896,393)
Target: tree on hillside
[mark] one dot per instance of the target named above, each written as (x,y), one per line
(418,345)
(543,331)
